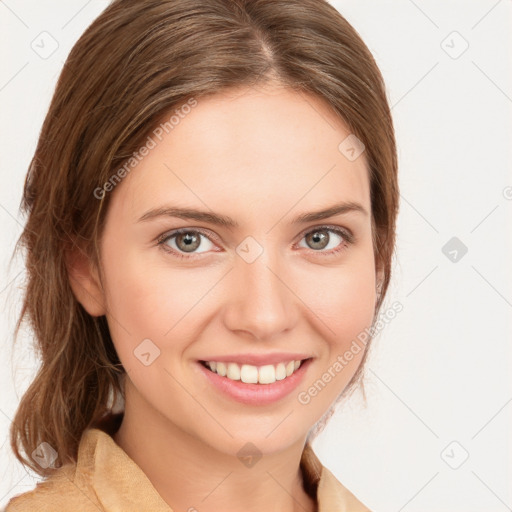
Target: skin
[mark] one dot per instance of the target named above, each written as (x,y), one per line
(260,156)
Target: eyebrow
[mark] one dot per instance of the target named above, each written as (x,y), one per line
(228,222)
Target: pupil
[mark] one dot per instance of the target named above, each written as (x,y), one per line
(319,237)
(189,240)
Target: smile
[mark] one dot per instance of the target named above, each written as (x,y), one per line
(254,385)
(267,374)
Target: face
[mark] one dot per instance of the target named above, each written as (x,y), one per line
(266,288)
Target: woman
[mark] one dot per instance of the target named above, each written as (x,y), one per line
(211,222)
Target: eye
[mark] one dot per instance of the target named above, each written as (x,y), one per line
(183,241)
(320,238)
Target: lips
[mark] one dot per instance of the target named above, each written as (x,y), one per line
(256,394)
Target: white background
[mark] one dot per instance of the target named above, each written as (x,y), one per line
(440,371)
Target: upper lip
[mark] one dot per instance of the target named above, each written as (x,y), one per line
(259,359)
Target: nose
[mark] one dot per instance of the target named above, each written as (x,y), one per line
(261,301)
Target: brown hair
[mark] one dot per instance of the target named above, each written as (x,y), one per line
(136,62)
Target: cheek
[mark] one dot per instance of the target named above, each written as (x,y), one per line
(342,303)
(349,307)
(142,300)
(148,300)
(343,298)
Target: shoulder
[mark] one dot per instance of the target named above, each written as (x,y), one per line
(333,495)
(69,487)
(60,491)
(322,485)
(102,478)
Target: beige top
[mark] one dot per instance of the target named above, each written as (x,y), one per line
(105,478)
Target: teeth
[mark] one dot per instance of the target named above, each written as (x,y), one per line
(250,374)
(221,369)
(233,371)
(266,374)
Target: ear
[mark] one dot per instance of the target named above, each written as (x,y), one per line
(379,276)
(85,283)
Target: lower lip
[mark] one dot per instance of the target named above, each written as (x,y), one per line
(256,394)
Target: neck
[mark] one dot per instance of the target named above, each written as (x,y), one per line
(191,475)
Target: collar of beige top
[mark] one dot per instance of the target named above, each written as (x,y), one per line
(105,478)
(119,483)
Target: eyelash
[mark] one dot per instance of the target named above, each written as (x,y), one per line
(348,239)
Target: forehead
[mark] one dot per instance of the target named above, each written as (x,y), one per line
(259,150)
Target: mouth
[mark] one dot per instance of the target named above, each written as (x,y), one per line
(263,386)
(251,374)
